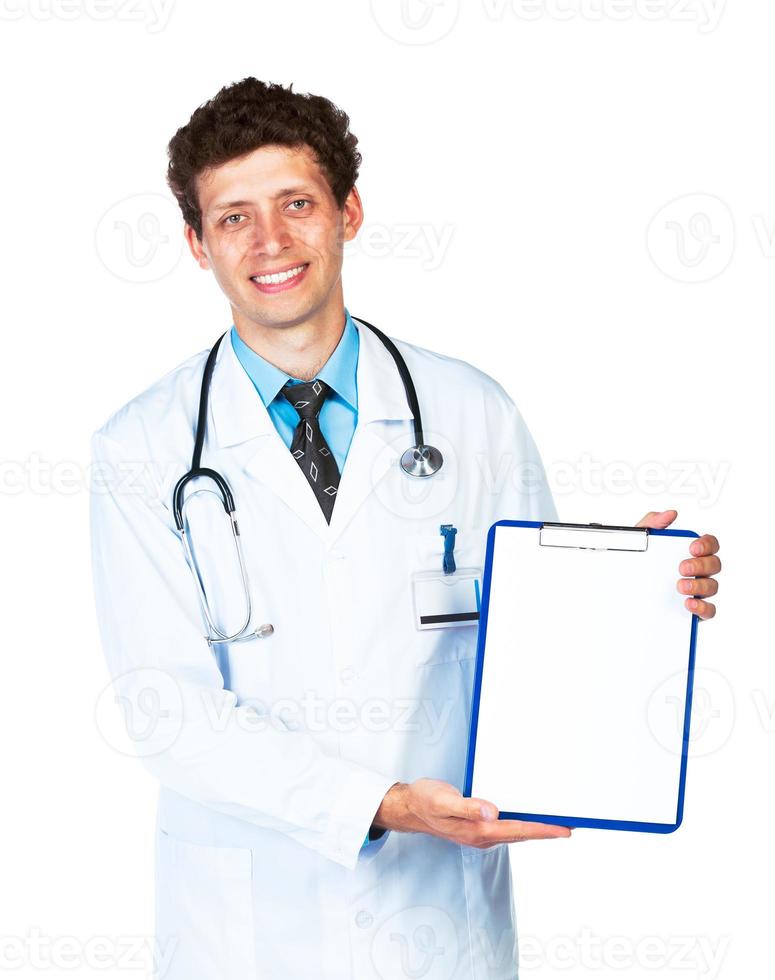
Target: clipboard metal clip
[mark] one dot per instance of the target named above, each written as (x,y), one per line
(593,537)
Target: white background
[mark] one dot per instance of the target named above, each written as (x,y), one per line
(601,176)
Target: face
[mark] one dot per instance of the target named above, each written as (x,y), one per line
(273,235)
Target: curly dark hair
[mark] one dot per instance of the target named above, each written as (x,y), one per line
(250,114)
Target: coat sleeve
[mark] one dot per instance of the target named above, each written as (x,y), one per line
(195,737)
(518,483)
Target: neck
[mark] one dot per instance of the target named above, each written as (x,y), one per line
(299,349)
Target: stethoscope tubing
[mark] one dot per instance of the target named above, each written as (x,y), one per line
(415,458)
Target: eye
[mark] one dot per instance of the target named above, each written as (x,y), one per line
(302,201)
(228,221)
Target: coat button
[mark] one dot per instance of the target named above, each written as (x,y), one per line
(364,919)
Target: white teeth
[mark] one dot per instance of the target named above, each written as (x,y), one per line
(278,276)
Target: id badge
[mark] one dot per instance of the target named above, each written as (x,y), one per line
(443,601)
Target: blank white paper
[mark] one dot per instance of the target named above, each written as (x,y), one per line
(585,670)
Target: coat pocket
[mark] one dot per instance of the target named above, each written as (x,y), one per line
(424,553)
(204,911)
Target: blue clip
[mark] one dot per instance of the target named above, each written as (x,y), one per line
(448,562)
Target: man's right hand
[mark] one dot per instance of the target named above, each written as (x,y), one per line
(431,806)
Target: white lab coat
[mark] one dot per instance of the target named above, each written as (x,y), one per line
(274,754)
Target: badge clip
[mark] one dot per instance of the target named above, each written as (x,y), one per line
(448,532)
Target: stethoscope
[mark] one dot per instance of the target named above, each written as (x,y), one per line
(420,460)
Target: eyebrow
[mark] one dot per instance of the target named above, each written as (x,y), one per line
(283,192)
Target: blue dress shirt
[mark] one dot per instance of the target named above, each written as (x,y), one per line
(339,414)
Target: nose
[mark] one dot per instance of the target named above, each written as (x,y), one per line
(269,234)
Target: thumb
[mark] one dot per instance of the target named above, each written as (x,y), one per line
(658,519)
(471,808)
(482,810)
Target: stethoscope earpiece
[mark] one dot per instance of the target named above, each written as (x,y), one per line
(421,461)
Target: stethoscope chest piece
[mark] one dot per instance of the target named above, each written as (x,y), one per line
(421,461)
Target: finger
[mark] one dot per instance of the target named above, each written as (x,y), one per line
(471,808)
(657,519)
(514,831)
(705,610)
(697,586)
(700,566)
(706,545)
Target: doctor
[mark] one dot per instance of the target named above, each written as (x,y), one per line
(310,821)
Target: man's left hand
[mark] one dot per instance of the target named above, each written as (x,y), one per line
(703,565)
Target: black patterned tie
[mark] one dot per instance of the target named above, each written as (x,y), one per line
(309,448)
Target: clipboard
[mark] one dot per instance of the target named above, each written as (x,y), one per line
(581,706)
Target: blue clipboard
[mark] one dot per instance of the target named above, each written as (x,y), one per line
(581,713)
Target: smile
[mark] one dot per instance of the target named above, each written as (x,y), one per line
(278,277)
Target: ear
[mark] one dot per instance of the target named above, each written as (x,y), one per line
(352,215)
(196,247)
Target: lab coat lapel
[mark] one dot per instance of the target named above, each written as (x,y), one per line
(242,424)
(373,453)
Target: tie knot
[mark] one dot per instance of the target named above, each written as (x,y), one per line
(307,397)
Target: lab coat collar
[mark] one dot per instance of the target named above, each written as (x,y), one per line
(238,415)
(381,395)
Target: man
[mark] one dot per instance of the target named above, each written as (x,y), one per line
(310,820)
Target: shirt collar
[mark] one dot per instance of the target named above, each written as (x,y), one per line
(339,371)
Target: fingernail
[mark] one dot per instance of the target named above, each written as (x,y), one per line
(488,813)
(693,603)
(695,548)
